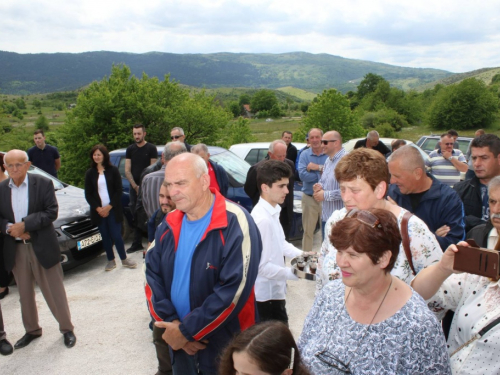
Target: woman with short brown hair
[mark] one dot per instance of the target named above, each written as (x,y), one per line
(363,178)
(371,322)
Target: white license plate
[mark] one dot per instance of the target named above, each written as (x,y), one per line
(88,241)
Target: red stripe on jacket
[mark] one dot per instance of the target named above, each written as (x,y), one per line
(149,294)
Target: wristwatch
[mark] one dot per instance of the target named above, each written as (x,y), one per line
(451,157)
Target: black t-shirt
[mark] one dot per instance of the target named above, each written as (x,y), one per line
(140,158)
(44,159)
(415,199)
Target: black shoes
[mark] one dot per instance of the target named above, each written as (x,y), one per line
(134,248)
(4,293)
(25,340)
(69,339)
(5,347)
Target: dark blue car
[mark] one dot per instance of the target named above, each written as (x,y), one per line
(236,169)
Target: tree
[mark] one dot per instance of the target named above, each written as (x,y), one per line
(275,111)
(332,111)
(20,103)
(42,123)
(37,104)
(238,132)
(235,109)
(368,84)
(244,99)
(263,100)
(468,105)
(107,110)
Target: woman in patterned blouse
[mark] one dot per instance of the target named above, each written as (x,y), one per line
(370,322)
(474,339)
(363,176)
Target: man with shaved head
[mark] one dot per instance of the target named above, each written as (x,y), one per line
(372,141)
(28,207)
(202,269)
(218,175)
(438,205)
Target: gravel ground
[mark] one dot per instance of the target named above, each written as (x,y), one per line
(111,323)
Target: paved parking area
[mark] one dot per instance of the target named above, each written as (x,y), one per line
(111,324)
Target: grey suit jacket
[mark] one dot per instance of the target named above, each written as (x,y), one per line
(42,211)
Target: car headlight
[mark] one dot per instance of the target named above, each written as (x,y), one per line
(297,206)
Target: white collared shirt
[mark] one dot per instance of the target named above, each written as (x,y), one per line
(19,199)
(272,276)
(492,238)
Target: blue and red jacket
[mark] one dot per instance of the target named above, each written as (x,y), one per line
(223,272)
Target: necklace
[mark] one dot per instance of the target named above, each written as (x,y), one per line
(367,328)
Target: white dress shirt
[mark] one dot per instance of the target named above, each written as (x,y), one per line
(272,276)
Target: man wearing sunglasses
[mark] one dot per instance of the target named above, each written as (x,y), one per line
(327,190)
(446,163)
(177,134)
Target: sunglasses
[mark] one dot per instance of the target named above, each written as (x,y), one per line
(175,137)
(365,217)
(325,141)
(449,144)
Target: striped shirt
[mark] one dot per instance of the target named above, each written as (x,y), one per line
(331,187)
(443,169)
(150,190)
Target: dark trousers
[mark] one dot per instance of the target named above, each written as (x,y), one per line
(162,352)
(137,242)
(285,222)
(5,277)
(111,232)
(2,332)
(274,309)
(185,364)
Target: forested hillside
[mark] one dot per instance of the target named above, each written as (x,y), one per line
(23,74)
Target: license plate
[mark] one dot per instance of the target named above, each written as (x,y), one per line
(88,241)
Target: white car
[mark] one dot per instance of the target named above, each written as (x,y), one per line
(254,152)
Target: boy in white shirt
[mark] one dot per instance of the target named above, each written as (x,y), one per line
(270,286)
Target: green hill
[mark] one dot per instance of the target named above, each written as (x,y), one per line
(485,74)
(52,72)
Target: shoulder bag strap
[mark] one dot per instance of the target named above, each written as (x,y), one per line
(406,239)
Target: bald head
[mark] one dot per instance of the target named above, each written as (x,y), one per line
(409,157)
(277,150)
(17,164)
(188,182)
(332,142)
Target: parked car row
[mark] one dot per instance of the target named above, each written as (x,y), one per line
(236,169)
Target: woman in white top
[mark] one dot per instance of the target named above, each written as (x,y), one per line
(474,339)
(103,191)
(363,178)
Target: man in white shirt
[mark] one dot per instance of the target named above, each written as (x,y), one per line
(270,286)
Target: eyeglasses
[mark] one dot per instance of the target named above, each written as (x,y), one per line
(15,166)
(449,144)
(365,217)
(331,360)
(325,141)
(172,137)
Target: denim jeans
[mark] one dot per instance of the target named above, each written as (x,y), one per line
(185,364)
(111,232)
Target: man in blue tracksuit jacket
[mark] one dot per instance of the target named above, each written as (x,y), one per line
(200,275)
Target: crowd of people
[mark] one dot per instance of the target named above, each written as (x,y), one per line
(216,275)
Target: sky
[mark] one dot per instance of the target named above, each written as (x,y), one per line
(456,36)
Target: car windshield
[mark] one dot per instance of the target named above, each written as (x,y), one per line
(233,165)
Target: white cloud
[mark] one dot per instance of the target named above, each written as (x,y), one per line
(453,35)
